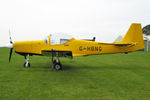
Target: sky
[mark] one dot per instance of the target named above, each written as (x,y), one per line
(103,19)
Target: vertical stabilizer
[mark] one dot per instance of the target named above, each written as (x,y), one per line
(134,35)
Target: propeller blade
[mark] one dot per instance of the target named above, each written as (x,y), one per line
(11,50)
(10,37)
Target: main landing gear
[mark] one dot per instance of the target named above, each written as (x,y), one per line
(27,64)
(56,63)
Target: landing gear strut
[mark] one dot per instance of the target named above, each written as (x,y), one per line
(56,63)
(27,64)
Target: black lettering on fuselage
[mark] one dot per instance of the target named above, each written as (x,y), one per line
(90,48)
(96,48)
(80,48)
(100,48)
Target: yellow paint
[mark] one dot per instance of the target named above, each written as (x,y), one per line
(49,41)
(132,41)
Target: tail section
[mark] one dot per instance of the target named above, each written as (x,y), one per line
(134,35)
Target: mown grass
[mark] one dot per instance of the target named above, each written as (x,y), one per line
(99,77)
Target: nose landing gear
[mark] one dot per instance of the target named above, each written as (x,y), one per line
(27,64)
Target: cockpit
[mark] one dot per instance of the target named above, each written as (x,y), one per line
(57,38)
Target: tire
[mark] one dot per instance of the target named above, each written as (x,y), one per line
(57,66)
(26,65)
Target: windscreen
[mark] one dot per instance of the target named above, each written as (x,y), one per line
(58,38)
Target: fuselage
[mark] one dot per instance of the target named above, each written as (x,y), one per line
(77,47)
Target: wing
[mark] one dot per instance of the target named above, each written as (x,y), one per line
(59,53)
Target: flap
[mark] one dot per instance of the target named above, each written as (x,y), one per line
(59,53)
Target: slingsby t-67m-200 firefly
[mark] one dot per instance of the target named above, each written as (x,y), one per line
(132,41)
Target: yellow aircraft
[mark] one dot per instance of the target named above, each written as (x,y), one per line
(132,41)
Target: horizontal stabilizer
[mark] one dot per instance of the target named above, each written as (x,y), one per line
(125,44)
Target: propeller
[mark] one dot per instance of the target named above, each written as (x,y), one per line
(11,47)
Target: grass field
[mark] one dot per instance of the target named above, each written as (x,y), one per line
(99,77)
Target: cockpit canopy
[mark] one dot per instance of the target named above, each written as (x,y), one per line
(58,38)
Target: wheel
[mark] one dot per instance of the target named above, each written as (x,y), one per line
(57,66)
(26,64)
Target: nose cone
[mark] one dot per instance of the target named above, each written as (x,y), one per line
(22,46)
(10,45)
(33,47)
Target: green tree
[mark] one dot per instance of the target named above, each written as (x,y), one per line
(146,30)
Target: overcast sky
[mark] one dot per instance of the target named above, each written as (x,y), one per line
(104,19)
